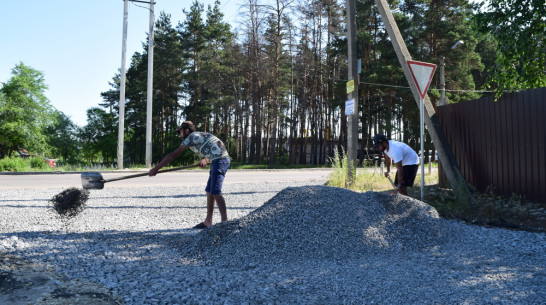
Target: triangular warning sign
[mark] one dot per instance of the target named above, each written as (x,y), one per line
(422,73)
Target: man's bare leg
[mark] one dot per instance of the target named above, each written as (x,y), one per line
(210,210)
(221,206)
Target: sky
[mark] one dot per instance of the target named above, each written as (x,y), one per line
(77,44)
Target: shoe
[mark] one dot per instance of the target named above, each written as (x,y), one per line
(200,226)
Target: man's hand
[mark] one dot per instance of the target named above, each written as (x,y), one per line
(387,174)
(204,162)
(153,172)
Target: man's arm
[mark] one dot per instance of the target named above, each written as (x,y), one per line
(400,172)
(388,164)
(167,159)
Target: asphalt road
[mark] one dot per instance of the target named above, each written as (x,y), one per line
(184,177)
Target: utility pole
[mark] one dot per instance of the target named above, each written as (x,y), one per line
(352,115)
(442,101)
(447,158)
(150,89)
(443,98)
(121,126)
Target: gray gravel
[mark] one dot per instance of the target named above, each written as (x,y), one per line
(285,244)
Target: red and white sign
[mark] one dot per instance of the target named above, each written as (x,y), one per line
(422,73)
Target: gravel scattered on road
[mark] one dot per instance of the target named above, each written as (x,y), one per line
(286,243)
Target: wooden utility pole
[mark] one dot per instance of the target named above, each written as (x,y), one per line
(447,158)
(352,116)
(442,101)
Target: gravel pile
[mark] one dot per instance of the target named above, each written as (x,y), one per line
(285,244)
(322,222)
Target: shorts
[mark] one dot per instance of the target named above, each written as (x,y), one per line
(410,171)
(218,170)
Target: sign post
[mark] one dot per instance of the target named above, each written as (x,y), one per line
(422,73)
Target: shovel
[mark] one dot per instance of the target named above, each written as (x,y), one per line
(392,183)
(94,180)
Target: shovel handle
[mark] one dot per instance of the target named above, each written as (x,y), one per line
(146,173)
(392,183)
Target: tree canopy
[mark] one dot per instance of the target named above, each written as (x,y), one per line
(519,28)
(25,112)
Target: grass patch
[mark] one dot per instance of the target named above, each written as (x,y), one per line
(23,165)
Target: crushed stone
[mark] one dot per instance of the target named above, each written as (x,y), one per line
(285,244)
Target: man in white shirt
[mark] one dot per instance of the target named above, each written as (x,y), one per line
(405,159)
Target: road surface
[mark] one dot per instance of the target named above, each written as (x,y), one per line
(184,177)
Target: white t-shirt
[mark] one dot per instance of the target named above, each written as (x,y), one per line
(401,151)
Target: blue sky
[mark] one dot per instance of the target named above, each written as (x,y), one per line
(77,44)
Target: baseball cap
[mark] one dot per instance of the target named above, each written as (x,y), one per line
(378,139)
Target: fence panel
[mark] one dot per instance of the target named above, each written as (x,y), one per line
(500,144)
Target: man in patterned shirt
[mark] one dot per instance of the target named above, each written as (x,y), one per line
(212,150)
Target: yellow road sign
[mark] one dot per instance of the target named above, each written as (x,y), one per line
(351,86)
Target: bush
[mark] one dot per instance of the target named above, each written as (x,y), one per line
(14,165)
(38,163)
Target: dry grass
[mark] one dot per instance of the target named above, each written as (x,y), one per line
(488,209)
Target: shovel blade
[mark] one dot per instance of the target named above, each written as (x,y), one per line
(92,181)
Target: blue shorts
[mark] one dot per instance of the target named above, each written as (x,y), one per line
(218,170)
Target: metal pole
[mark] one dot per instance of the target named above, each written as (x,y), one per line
(121,123)
(150,88)
(422,149)
(352,119)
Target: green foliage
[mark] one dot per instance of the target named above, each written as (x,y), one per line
(62,136)
(519,26)
(24,112)
(99,136)
(14,165)
(17,164)
(38,163)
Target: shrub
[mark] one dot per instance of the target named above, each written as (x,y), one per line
(38,163)
(14,165)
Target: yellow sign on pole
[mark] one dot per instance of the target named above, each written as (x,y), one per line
(351,86)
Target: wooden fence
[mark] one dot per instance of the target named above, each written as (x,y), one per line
(500,144)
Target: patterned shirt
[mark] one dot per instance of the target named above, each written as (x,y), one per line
(206,145)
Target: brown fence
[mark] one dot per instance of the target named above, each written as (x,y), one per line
(500,144)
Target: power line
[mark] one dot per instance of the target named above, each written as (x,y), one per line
(404,87)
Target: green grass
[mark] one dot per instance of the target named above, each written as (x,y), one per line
(24,165)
